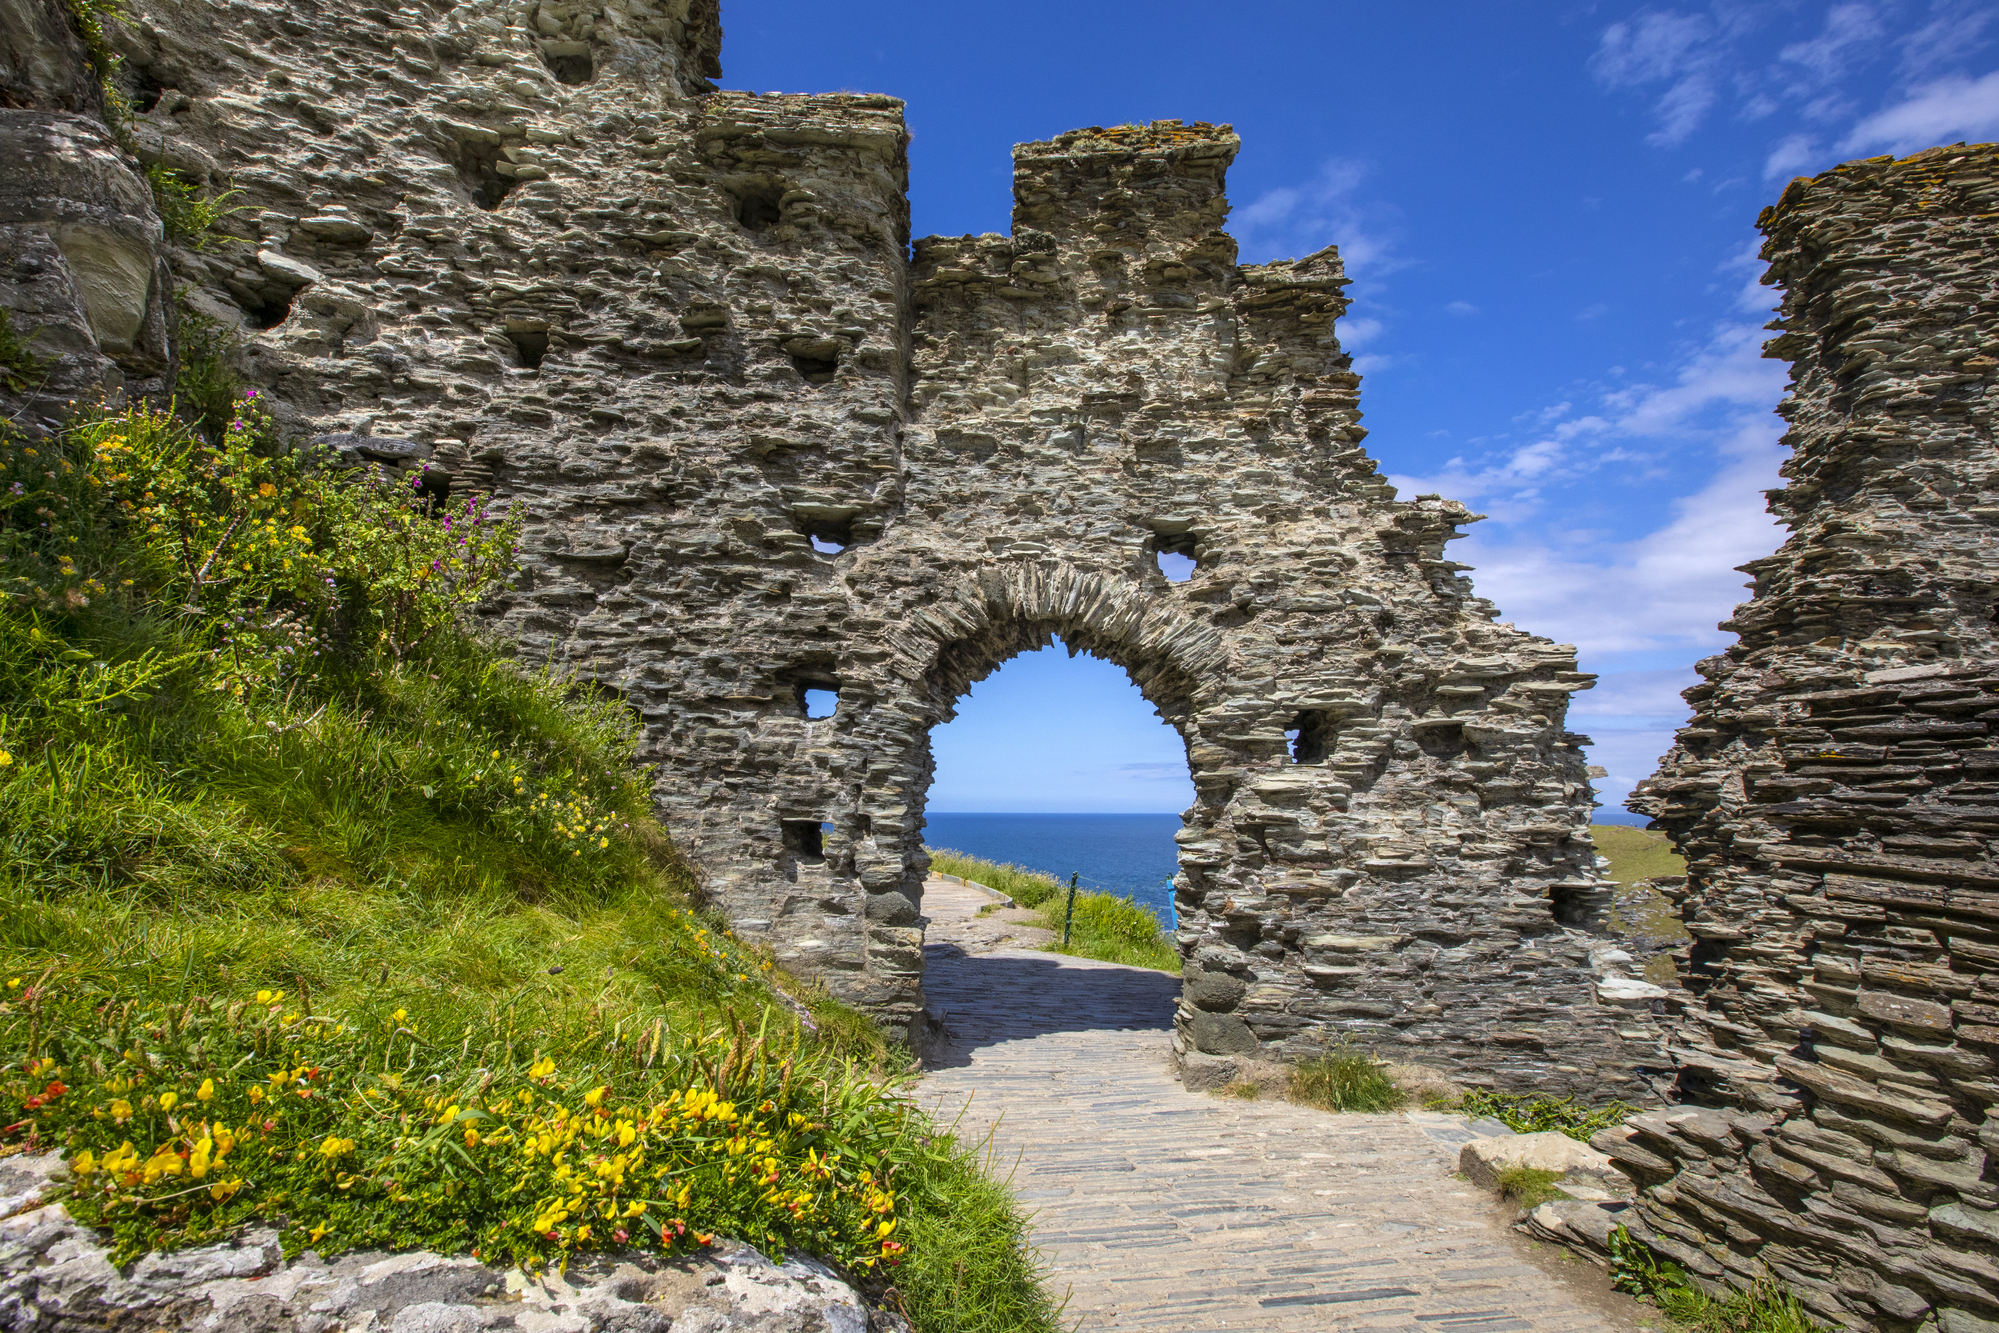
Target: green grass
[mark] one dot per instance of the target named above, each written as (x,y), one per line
(1345,1079)
(1761,1308)
(1636,853)
(1529,1186)
(1106,926)
(446,862)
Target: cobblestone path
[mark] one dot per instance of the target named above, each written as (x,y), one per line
(1164,1210)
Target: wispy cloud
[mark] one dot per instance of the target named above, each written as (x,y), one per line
(1850,29)
(1663,47)
(1939,112)
(1810,89)
(1666,589)
(1326,209)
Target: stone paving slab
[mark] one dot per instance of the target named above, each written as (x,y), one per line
(1164,1210)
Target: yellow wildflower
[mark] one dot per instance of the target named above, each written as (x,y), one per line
(206,1092)
(168,1100)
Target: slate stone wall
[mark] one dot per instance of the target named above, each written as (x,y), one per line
(765,448)
(1836,794)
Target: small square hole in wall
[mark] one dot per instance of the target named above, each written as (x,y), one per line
(806,838)
(826,545)
(1310,736)
(819,703)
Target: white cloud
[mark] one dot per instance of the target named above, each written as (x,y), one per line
(1358,331)
(1666,589)
(1846,27)
(1461,308)
(1940,112)
(1792,154)
(1630,755)
(1299,219)
(1954,35)
(1651,47)
(1652,696)
(1663,47)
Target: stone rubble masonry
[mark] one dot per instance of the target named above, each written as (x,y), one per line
(1836,793)
(764,445)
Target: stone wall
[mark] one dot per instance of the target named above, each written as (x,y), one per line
(765,448)
(1836,794)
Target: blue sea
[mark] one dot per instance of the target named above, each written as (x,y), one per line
(1132,855)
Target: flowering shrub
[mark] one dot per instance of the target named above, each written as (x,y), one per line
(182,1121)
(279,558)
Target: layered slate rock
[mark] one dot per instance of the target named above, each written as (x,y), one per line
(763,450)
(84,281)
(1836,794)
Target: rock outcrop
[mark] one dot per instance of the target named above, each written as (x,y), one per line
(84,279)
(1835,792)
(766,449)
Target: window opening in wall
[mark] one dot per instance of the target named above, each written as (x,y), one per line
(829,536)
(819,702)
(818,371)
(757,207)
(806,838)
(530,343)
(573,66)
(1311,737)
(1176,554)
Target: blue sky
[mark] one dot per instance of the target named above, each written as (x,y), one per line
(1549,214)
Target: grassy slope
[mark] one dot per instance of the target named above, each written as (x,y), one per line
(446,836)
(1106,926)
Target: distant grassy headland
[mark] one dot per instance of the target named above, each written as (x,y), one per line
(317,910)
(1636,853)
(1106,927)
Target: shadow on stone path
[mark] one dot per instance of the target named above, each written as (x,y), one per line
(1163,1210)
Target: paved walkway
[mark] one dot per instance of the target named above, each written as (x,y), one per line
(1164,1210)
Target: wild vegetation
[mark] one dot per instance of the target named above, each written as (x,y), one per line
(1762,1308)
(315,908)
(1110,927)
(1345,1078)
(1535,1115)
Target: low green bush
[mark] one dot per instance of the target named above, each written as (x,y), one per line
(1106,926)
(1762,1308)
(1533,1115)
(1345,1078)
(187,213)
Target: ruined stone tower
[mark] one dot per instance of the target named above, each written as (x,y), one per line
(765,446)
(1837,791)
